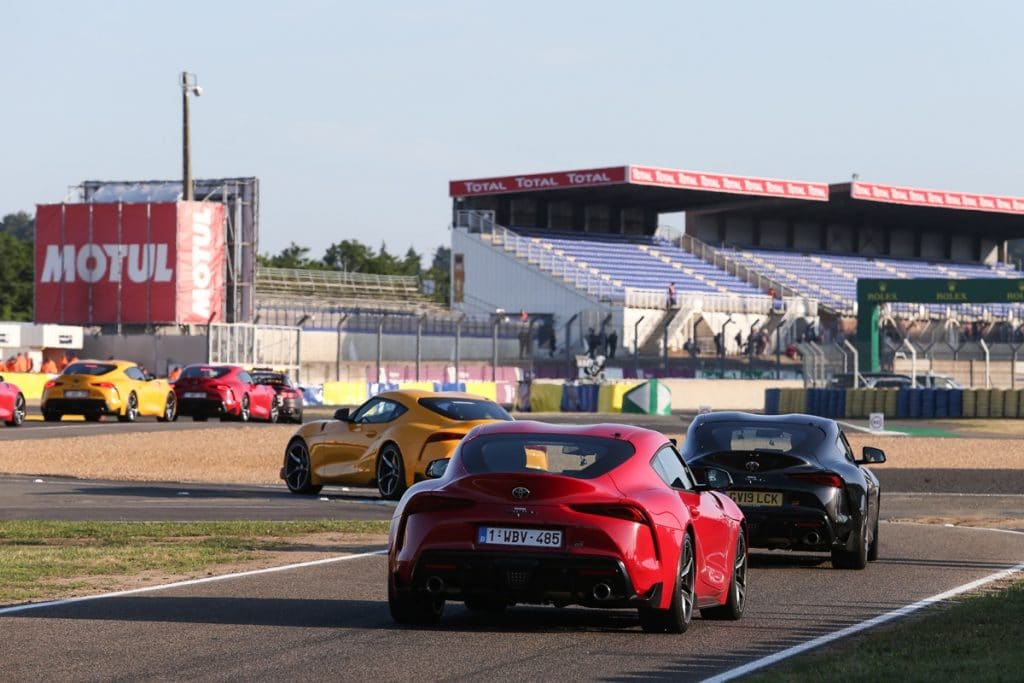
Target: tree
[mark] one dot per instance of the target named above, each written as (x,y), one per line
(292,256)
(440,273)
(16,277)
(21,225)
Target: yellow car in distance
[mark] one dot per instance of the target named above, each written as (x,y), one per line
(94,388)
(387,442)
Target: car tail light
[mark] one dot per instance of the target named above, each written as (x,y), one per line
(428,502)
(820,479)
(51,384)
(616,510)
(104,385)
(445,436)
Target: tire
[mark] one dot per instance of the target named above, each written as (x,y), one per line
(275,413)
(297,470)
(244,412)
(131,410)
(170,410)
(93,417)
(856,558)
(390,473)
(51,416)
(733,607)
(675,619)
(199,418)
(873,548)
(298,418)
(18,414)
(414,609)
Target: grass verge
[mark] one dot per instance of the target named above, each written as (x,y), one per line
(42,560)
(973,638)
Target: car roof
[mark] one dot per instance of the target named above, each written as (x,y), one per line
(824,423)
(416,394)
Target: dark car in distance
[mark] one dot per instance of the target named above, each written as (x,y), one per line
(289,396)
(797,481)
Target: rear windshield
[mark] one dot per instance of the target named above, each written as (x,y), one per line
(783,437)
(272,379)
(464,408)
(583,457)
(88,369)
(204,372)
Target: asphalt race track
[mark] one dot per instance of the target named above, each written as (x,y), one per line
(330,619)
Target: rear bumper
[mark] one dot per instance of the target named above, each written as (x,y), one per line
(793,528)
(290,406)
(201,406)
(77,406)
(591,581)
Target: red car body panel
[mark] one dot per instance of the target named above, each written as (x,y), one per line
(8,397)
(627,517)
(223,394)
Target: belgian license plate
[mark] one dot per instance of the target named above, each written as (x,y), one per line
(76,393)
(532,538)
(756,497)
(194,394)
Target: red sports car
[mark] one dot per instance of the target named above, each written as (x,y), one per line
(207,390)
(12,404)
(605,516)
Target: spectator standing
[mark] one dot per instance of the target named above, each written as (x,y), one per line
(613,342)
(671,295)
(49,367)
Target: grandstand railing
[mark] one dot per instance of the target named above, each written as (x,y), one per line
(720,259)
(718,303)
(326,283)
(542,255)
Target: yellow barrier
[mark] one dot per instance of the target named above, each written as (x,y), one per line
(1011,401)
(855,401)
(545,398)
(609,397)
(970,404)
(485,389)
(30,383)
(890,401)
(344,393)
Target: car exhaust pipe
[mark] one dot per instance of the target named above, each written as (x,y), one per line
(435,585)
(602,591)
(812,538)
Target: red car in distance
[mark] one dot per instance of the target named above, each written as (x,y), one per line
(206,390)
(12,404)
(605,516)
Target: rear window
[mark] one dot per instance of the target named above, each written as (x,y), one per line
(81,368)
(464,408)
(274,379)
(582,457)
(783,437)
(204,372)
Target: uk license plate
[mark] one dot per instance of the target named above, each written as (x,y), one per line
(756,497)
(194,394)
(531,538)
(76,393)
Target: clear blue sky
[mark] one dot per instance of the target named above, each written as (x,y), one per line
(354,116)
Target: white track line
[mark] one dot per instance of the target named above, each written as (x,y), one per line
(191,582)
(870,623)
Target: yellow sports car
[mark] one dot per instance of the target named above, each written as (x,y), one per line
(387,442)
(94,388)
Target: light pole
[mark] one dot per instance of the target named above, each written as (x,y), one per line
(189,86)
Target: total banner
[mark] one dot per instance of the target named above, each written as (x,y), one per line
(146,263)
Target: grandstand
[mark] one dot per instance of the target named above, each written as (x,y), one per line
(581,246)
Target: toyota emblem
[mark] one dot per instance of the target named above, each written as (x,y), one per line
(520,492)
(753,466)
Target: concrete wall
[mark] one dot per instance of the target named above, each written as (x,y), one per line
(724,394)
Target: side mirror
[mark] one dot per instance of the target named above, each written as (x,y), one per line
(341,414)
(437,468)
(1,378)
(674,441)
(870,454)
(712,479)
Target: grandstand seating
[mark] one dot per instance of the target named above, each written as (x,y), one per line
(832,279)
(641,263)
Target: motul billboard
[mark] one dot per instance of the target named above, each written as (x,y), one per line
(129,263)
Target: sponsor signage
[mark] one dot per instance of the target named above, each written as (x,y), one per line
(939,291)
(911,196)
(642,175)
(129,263)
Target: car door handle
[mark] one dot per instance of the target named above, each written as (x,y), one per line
(370,435)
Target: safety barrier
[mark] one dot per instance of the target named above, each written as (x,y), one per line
(30,383)
(900,403)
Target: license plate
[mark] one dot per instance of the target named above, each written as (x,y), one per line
(76,393)
(194,394)
(756,497)
(533,538)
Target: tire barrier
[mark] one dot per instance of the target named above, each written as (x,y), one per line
(901,403)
